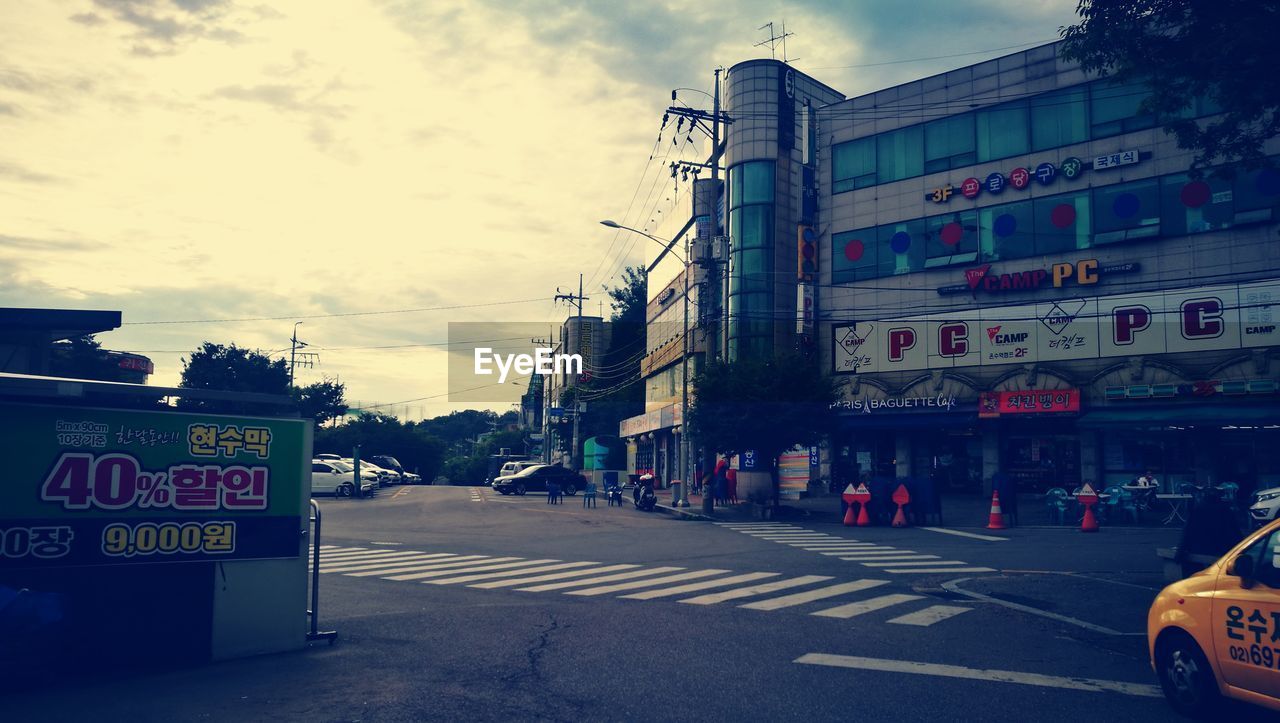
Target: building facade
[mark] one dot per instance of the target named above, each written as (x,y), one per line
(1011,270)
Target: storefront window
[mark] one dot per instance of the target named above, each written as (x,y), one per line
(1007,231)
(1041,462)
(1062,223)
(1195,206)
(1002,131)
(948,143)
(899,154)
(1059,118)
(951,239)
(853,165)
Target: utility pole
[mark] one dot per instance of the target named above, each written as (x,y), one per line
(577,407)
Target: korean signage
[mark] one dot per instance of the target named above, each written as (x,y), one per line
(995,404)
(1237,316)
(109,487)
(1115,160)
(1207,388)
(1019,179)
(1085,272)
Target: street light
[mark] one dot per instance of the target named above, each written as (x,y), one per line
(684,357)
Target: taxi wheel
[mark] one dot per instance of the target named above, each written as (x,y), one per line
(1185,675)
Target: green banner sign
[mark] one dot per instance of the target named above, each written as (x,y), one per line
(107,486)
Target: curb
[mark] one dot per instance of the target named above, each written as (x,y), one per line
(683,512)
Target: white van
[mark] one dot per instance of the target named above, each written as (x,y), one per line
(516,467)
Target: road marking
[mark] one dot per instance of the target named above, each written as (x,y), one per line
(646,583)
(754,590)
(738,525)
(836,553)
(695,586)
(485,567)
(593,581)
(556,576)
(824,545)
(354,552)
(455,561)
(974,535)
(931,563)
(874,553)
(400,493)
(954,586)
(366,565)
(510,573)
(940,569)
(329,547)
(929,615)
(996,676)
(801,598)
(867,559)
(363,558)
(381,542)
(865,606)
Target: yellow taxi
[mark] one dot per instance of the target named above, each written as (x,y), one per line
(1217,633)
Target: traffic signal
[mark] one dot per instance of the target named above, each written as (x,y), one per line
(807,256)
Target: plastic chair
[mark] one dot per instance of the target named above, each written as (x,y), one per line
(589,495)
(553,493)
(1230,492)
(1121,502)
(613,495)
(1055,500)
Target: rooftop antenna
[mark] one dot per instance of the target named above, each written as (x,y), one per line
(774,40)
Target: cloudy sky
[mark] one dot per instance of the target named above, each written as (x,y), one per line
(267,162)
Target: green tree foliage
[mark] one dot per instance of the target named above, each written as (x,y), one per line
(1222,50)
(232,369)
(82,357)
(416,450)
(765,405)
(322,401)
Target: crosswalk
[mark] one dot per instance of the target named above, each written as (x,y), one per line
(760,591)
(476,495)
(882,558)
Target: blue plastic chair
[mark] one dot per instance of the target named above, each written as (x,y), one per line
(1120,502)
(1055,500)
(589,495)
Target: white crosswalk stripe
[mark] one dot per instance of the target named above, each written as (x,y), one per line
(635,582)
(885,558)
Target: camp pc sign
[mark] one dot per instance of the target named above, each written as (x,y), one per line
(1237,316)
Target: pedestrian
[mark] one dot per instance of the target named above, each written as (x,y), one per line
(731,486)
(719,479)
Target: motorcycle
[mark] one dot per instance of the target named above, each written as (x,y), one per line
(644,497)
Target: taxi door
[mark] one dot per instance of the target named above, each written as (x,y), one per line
(1246,620)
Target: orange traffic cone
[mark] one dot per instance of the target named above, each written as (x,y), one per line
(848,515)
(997,517)
(899,520)
(863,518)
(1089,523)
(901,497)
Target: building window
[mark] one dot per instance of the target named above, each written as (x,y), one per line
(1194,206)
(751,222)
(1063,223)
(948,143)
(901,247)
(854,255)
(1002,131)
(899,154)
(1114,108)
(853,165)
(1060,118)
(1126,211)
(1006,231)
(951,239)
(1256,194)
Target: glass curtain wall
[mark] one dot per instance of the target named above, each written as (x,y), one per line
(751,223)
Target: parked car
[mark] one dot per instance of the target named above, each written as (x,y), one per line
(1266,503)
(1209,635)
(388,462)
(536,478)
(328,456)
(412,478)
(332,477)
(384,476)
(513,467)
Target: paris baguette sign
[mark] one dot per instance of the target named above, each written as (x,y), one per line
(1085,272)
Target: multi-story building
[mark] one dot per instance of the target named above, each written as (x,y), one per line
(1013,271)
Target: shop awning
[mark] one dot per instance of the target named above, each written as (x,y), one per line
(1203,415)
(908,421)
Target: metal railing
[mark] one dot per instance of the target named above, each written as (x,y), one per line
(314,613)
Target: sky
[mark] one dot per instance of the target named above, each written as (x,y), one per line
(376,169)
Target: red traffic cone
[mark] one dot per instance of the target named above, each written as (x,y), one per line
(848,515)
(996,521)
(863,518)
(901,497)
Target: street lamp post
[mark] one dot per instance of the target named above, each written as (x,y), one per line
(684,358)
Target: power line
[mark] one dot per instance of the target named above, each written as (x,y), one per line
(331,316)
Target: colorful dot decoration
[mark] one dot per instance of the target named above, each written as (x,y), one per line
(1062,215)
(900,242)
(1195,194)
(854,250)
(1125,206)
(951,234)
(1006,225)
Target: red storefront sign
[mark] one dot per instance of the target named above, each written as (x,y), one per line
(994,404)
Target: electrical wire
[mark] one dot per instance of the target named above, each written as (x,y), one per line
(334,315)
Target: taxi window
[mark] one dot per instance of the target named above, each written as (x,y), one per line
(1266,559)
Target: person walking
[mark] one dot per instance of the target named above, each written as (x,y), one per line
(731,486)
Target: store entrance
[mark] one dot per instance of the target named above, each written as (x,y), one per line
(952,461)
(1038,462)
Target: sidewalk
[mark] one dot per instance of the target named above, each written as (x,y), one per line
(958,510)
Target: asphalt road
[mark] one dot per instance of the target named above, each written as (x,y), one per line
(1046,625)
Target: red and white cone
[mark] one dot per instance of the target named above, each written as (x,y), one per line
(996,521)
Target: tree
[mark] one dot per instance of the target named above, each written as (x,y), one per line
(232,369)
(416,450)
(763,405)
(322,401)
(82,357)
(1186,50)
